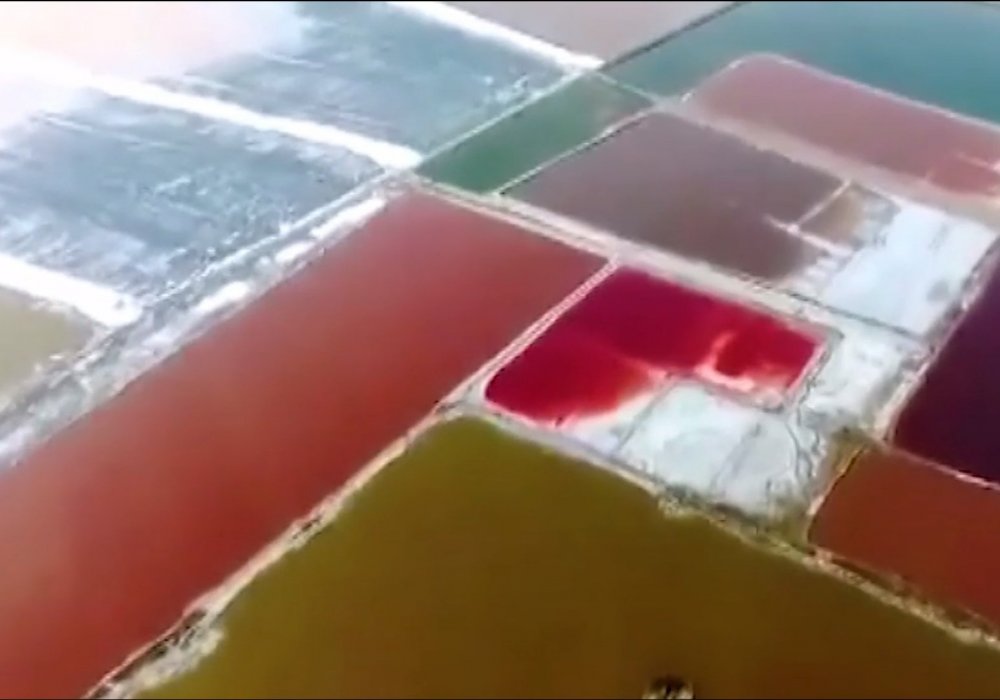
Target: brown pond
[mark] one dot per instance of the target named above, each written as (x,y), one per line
(478,565)
(691,190)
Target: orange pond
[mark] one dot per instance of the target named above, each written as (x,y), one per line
(126,516)
(900,516)
(480,565)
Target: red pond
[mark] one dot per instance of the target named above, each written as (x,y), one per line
(632,331)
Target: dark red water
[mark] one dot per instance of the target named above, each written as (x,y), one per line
(631,331)
(108,531)
(846,118)
(951,418)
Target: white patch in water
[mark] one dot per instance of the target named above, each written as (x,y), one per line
(911,274)
(292,252)
(51,71)
(224,296)
(348,217)
(473,24)
(105,306)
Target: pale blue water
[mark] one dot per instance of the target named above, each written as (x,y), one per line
(945,53)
